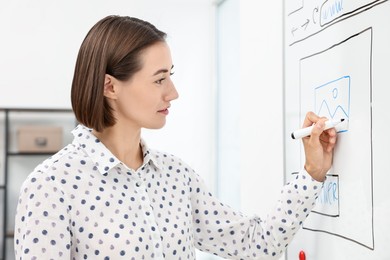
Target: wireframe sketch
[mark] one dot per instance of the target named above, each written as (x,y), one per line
(306,18)
(332,100)
(328,203)
(342,90)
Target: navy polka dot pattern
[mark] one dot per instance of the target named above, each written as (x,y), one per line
(83,203)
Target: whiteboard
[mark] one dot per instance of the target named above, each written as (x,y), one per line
(337,65)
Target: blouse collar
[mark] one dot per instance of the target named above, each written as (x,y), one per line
(101,156)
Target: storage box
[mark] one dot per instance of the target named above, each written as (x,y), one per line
(39,139)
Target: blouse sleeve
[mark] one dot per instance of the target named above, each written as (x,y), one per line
(42,220)
(220,230)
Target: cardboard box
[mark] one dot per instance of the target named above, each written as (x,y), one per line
(39,139)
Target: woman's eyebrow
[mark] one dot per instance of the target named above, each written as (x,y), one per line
(162,71)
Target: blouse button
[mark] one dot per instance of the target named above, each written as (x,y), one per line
(138,184)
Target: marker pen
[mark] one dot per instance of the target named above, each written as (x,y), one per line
(300,133)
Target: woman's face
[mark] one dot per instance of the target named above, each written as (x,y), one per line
(143,101)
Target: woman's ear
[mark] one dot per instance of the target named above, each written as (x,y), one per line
(109,88)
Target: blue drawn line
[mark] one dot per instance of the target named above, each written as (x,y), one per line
(343,77)
(328,12)
(330,113)
(324,103)
(329,194)
(329,198)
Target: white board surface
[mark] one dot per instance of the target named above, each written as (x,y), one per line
(337,65)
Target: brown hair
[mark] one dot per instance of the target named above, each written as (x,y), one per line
(112,46)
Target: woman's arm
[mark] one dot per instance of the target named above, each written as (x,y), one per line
(223,231)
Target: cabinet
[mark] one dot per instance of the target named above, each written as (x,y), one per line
(17,162)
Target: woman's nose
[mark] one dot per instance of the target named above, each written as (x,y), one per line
(172,93)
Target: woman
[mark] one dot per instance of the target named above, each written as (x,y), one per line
(109,196)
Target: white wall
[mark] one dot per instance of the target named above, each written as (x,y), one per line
(39,45)
(228,102)
(250,104)
(250,95)
(40,41)
(261,85)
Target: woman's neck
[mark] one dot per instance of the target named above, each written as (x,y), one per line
(124,143)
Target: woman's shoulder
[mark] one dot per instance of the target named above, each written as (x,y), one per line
(53,161)
(45,171)
(168,161)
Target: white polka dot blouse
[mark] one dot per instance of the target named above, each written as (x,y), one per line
(83,203)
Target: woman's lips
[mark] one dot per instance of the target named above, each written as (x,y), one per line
(164,111)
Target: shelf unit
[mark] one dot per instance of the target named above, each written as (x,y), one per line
(9,120)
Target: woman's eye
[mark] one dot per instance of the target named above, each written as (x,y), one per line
(159,81)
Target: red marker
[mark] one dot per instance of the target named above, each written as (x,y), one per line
(302,255)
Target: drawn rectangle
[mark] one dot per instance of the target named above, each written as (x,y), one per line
(344,90)
(333,98)
(328,200)
(293,6)
(315,16)
(331,10)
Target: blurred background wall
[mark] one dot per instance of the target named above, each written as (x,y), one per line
(227,123)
